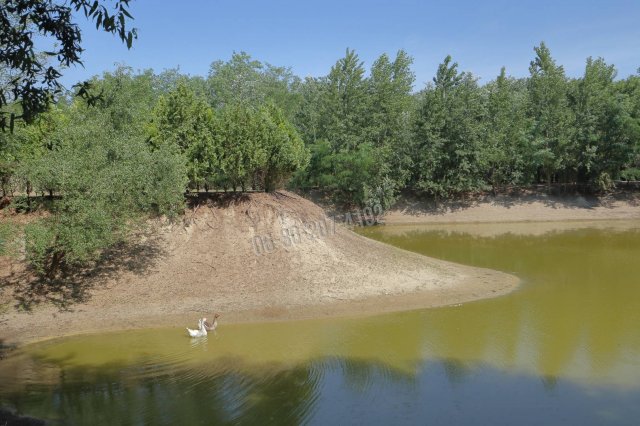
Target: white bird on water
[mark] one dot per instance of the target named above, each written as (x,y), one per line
(204,326)
(201,331)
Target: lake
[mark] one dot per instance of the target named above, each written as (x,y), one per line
(563,349)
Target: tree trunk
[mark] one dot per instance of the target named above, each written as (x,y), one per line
(54,266)
(28,196)
(548,178)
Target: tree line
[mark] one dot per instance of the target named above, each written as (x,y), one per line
(108,165)
(134,144)
(371,136)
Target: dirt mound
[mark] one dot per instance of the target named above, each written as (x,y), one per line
(253,257)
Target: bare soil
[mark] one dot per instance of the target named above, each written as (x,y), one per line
(522,207)
(250,257)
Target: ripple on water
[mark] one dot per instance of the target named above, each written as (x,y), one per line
(566,342)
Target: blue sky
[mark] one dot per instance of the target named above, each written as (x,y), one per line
(311,36)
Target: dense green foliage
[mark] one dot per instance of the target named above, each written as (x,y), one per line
(30,77)
(370,136)
(506,152)
(359,129)
(361,135)
(449,133)
(238,146)
(184,122)
(107,179)
(107,167)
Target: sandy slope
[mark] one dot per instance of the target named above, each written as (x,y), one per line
(255,257)
(525,207)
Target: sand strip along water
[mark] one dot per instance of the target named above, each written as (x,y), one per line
(256,257)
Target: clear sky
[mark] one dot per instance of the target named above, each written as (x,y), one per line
(481,36)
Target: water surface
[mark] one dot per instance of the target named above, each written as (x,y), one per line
(562,349)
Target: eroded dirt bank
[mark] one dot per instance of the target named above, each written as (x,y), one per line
(253,257)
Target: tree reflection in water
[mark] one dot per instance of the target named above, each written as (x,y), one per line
(325,391)
(563,349)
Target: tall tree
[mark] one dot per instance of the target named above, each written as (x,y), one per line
(391,107)
(127,96)
(240,151)
(243,79)
(333,119)
(390,87)
(448,133)
(285,151)
(310,118)
(605,132)
(186,122)
(630,87)
(345,103)
(505,151)
(236,81)
(551,132)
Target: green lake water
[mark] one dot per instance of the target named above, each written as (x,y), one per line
(563,349)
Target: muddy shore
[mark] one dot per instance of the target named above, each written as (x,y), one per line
(258,257)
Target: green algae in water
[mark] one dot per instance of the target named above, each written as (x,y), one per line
(562,349)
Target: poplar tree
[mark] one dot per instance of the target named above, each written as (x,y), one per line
(605,132)
(548,108)
(448,133)
(243,79)
(391,107)
(345,103)
(505,151)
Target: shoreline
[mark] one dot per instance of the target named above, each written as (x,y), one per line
(474,285)
(207,263)
(340,275)
(504,209)
(356,308)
